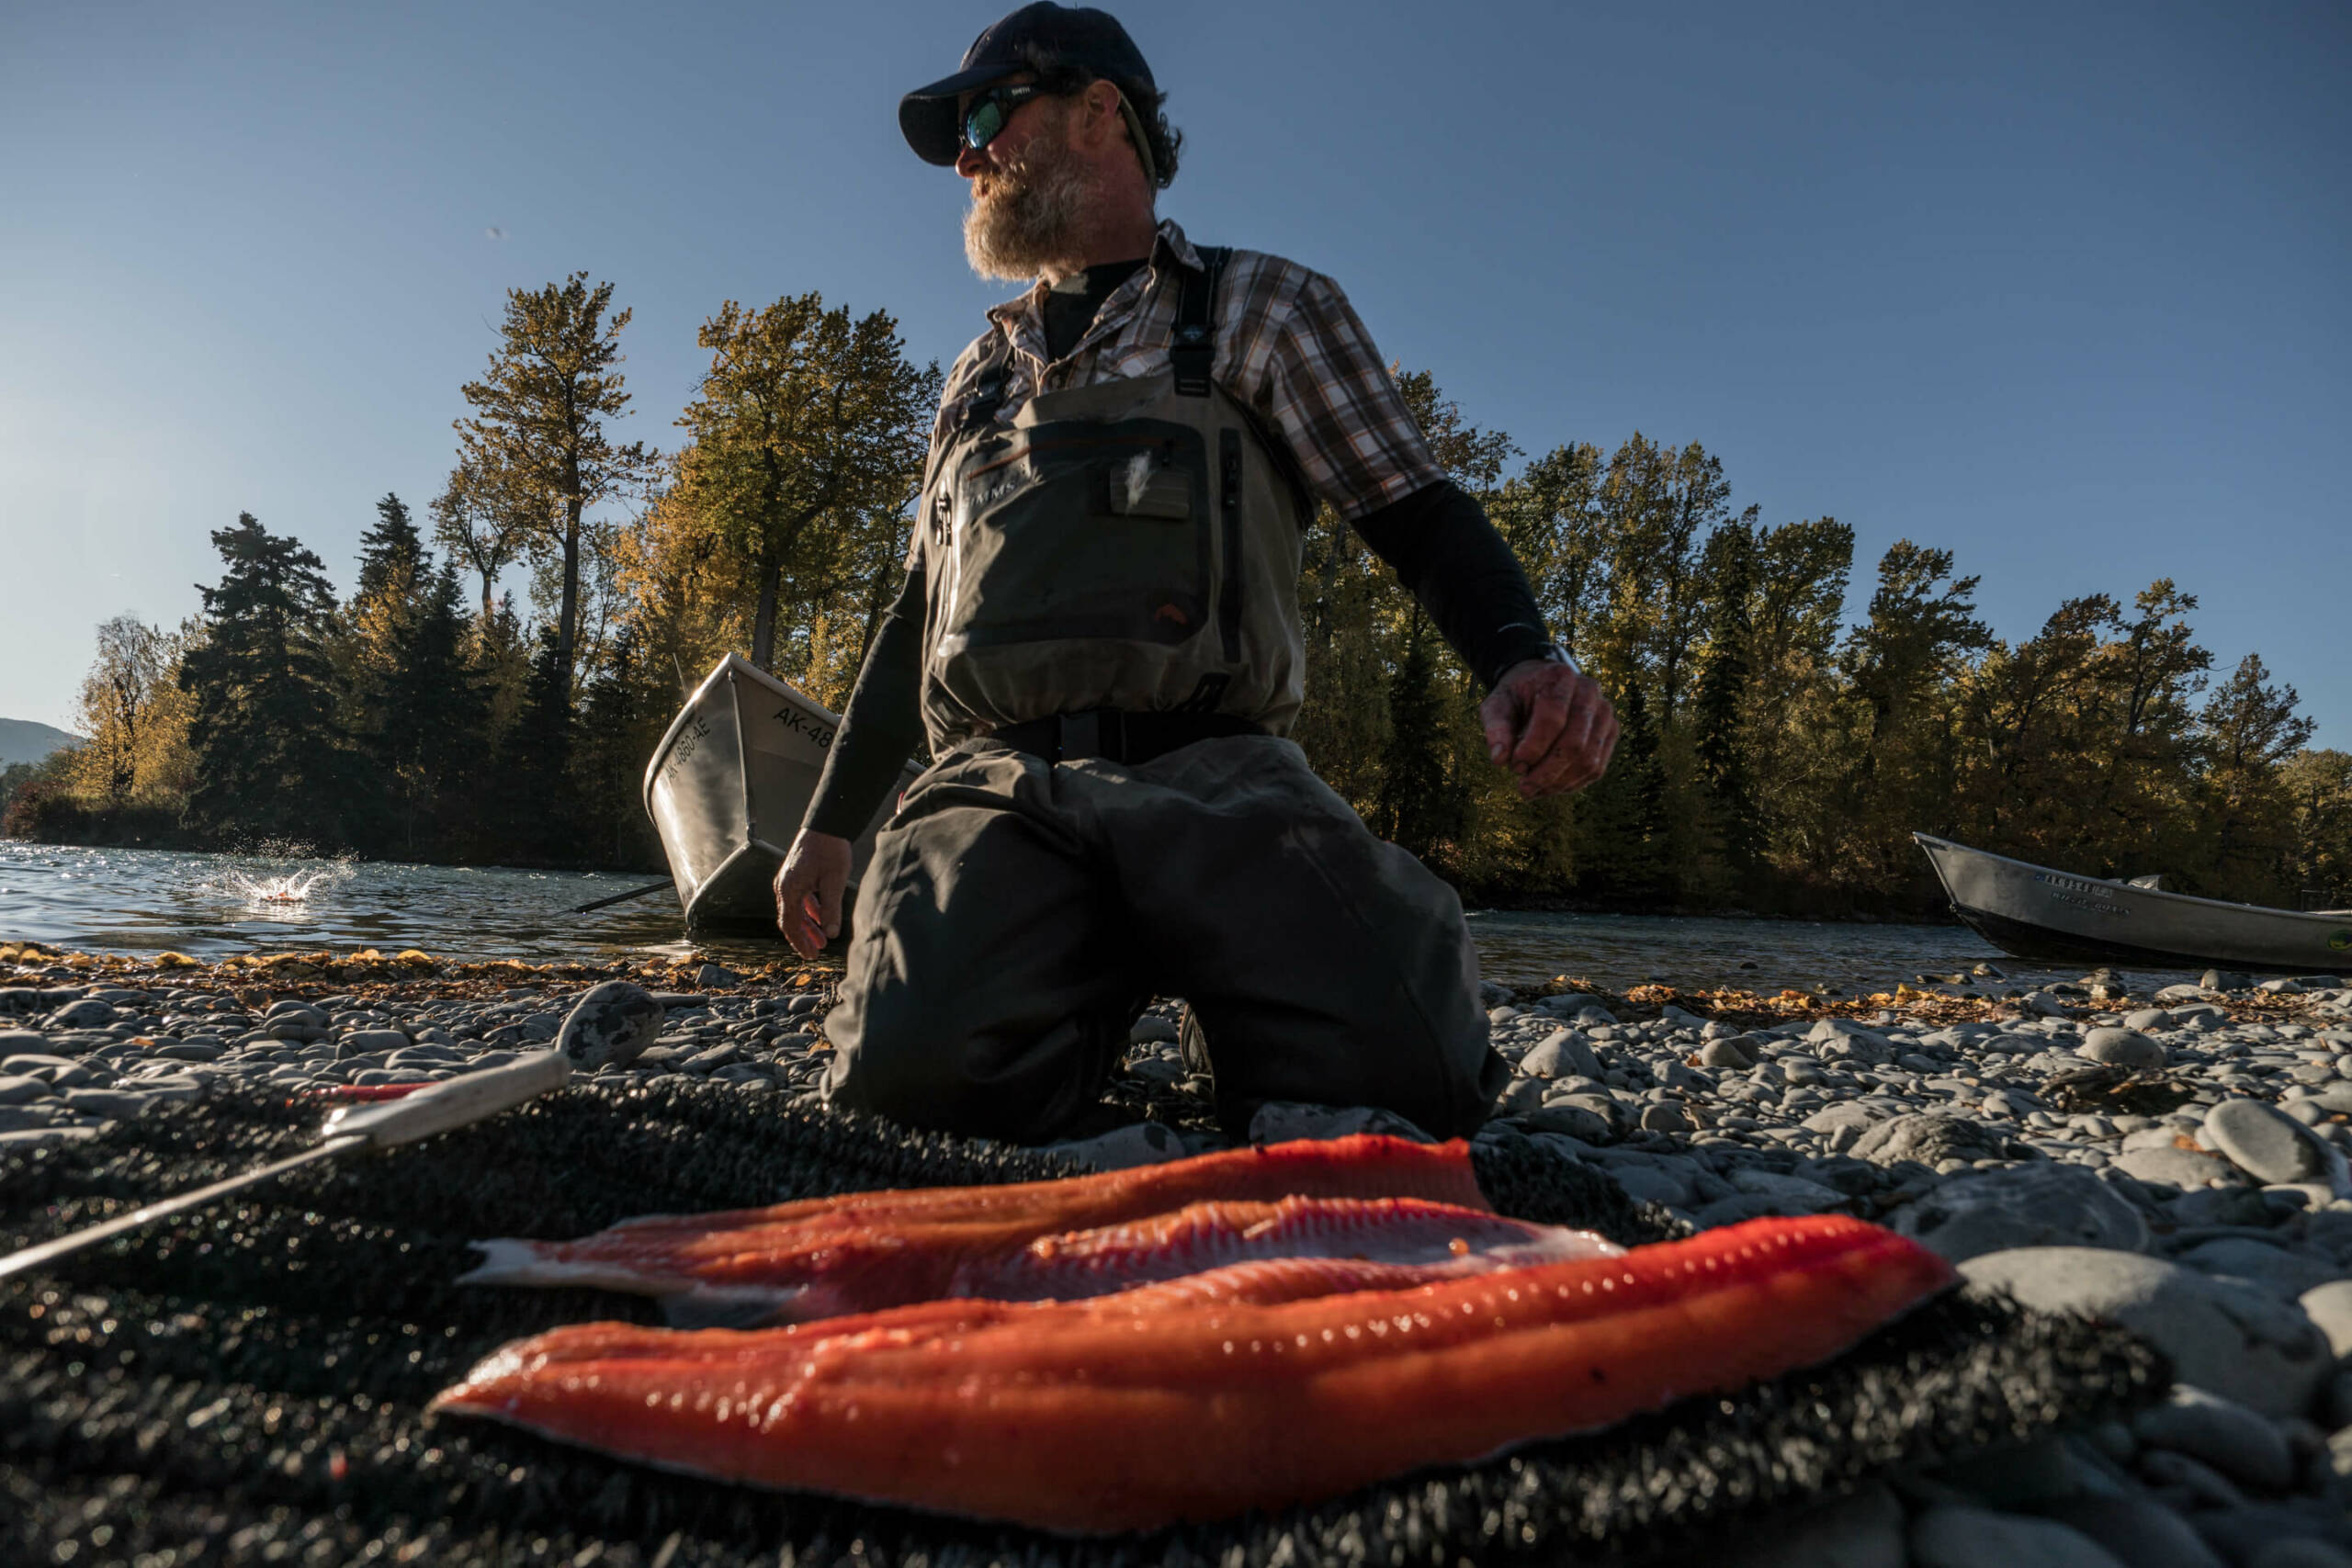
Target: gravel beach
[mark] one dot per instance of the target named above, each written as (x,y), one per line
(2169,1158)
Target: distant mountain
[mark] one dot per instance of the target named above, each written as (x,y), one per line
(22,740)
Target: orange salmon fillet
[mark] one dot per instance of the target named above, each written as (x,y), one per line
(1192,1401)
(863,1251)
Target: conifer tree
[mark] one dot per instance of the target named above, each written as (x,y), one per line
(271,759)
(536,446)
(434,713)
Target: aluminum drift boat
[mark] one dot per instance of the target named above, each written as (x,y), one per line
(726,789)
(2035,912)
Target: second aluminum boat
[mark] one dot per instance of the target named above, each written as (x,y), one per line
(2033,911)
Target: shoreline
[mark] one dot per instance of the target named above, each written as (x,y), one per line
(2170,1159)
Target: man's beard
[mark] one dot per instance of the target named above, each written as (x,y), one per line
(1028,222)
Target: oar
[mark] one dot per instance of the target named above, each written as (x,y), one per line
(452,1103)
(622,897)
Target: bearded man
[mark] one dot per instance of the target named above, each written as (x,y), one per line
(1099,637)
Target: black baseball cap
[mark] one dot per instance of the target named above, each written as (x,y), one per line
(1038,35)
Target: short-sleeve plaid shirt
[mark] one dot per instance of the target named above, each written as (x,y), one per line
(1289,347)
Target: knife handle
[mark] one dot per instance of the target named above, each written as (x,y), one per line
(454,1102)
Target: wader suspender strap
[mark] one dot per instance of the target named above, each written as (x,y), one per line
(1191,348)
(988,388)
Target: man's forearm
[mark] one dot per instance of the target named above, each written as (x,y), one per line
(881,727)
(1450,557)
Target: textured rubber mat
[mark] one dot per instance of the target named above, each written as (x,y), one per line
(246,1383)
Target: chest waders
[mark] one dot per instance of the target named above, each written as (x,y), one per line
(1116,571)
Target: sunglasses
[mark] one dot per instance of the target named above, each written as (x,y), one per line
(989,113)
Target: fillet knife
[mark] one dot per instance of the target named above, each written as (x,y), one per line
(454,1102)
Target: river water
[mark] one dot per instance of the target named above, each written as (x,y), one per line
(111,900)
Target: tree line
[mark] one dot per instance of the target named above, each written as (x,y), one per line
(1775,757)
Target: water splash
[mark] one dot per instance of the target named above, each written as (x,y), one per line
(276,876)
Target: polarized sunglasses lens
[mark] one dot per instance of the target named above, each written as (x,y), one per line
(981,124)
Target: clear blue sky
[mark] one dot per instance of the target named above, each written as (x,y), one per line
(2062,287)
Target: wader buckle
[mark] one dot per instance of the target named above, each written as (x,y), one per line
(1098,732)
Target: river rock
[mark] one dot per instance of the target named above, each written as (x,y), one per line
(2268,1147)
(19,1091)
(611,1026)
(370,1042)
(1562,1054)
(1152,1030)
(1835,1039)
(87,1013)
(1927,1137)
(121,1107)
(1726,1052)
(1952,1535)
(2330,1306)
(2228,1338)
(2026,1205)
(1864,1530)
(2284,1273)
(1652,1185)
(2182,1168)
(1138,1142)
(1570,1120)
(2125,1048)
(2136,1529)
(2240,1443)
(1281,1120)
(2300,1551)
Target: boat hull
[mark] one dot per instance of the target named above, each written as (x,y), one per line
(2032,911)
(727,786)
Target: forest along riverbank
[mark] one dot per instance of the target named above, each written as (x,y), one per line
(2169,1157)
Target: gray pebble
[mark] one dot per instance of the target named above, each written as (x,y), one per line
(2237,1441)
(2137,1530)
(611,1026)
(1864,1530)
(2265,1144)
(2180,1168)
(2299,1551)
(19,1091)
(2228,1338)
(1949,1535)
(2026,1205)
(116,1104)
(1562,1054)
(2122,1048)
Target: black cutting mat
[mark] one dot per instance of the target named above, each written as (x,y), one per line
(245,1385)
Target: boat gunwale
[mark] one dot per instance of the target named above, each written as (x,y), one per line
(2309,916)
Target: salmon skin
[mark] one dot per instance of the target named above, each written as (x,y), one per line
(1138,1411)
(863,1251)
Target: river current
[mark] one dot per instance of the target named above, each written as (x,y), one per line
(137,901)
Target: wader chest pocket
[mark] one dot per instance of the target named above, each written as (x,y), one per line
(1080,530)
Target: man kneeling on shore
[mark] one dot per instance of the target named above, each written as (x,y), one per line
(1100,638)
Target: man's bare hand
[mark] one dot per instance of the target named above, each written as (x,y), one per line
(1550,725)
(808,891)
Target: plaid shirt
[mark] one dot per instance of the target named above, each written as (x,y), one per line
(1288,346)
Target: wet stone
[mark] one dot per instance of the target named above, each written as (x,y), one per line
(2123,1048)
(2241,1444)
(1953,1536)
(88,1013)
(2230,1340)
(2027,1205)
(2180,1168)
(2264,1143)
(612,1025)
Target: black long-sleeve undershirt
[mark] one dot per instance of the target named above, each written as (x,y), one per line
(1438,539)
